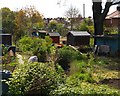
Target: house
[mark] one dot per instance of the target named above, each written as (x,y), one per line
(113,19)
(111,40)
(77,38)
(55,37)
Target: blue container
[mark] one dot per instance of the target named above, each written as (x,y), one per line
(5,75)
(111,40)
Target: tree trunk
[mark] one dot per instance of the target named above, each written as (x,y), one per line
(99,17)
(97,9)
(98,27)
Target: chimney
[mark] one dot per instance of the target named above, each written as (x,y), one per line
(118,7)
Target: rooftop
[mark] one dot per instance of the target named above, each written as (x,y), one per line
(42,31)
(54,34)
(115,14)
(79,33)
(4,34)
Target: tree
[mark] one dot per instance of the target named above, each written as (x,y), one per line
(21,24)
(99,14)
(61,29)
(26,19)
(52,26)
(8,20)
(72,13)
(35,18)
(0,19)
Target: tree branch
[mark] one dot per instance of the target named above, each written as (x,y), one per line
(106,10)
(116,3)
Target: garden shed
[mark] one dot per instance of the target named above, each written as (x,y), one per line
(55,36)
(77,38)
(42,33)
(6,39)
(112,40)
(39,33)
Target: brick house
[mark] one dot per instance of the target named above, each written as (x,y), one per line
(113,19)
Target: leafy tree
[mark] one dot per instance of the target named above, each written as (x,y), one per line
(21,24)
(83,26)
(8,20)
(27,19)
(35,19)
(52,26)
(0,19)
(60,28)
(55,26)
(72,13)
(86,25)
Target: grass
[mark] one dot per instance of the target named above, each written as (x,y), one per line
(99,69)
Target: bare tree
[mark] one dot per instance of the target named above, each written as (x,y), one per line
(72,13)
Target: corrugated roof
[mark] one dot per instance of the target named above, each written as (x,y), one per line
(79,33)
(4,34)
(115,14)
(54,34)
(42,31)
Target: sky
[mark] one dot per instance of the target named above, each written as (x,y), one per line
(52,8)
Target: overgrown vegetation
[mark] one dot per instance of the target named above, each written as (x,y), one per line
(67,55)
(67,72)
(8,62)
(46,79)
(36,46)
(34,79)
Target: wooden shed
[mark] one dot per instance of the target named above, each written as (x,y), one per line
(55,37)
(112,40)
(77,38)
(40,33)
(6,39)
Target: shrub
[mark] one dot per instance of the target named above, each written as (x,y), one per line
(36,46)
(83,27)
(67,55)
(77,66)
(34,79)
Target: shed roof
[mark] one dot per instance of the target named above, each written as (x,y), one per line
(79,33)
(5,34)
(108,36)
(42,31)
(54,34)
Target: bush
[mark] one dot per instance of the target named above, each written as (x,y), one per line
(83,27)
(67,55)
(36,46)
(34,78)
(77,67)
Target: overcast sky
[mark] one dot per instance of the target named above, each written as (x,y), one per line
(52,8)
